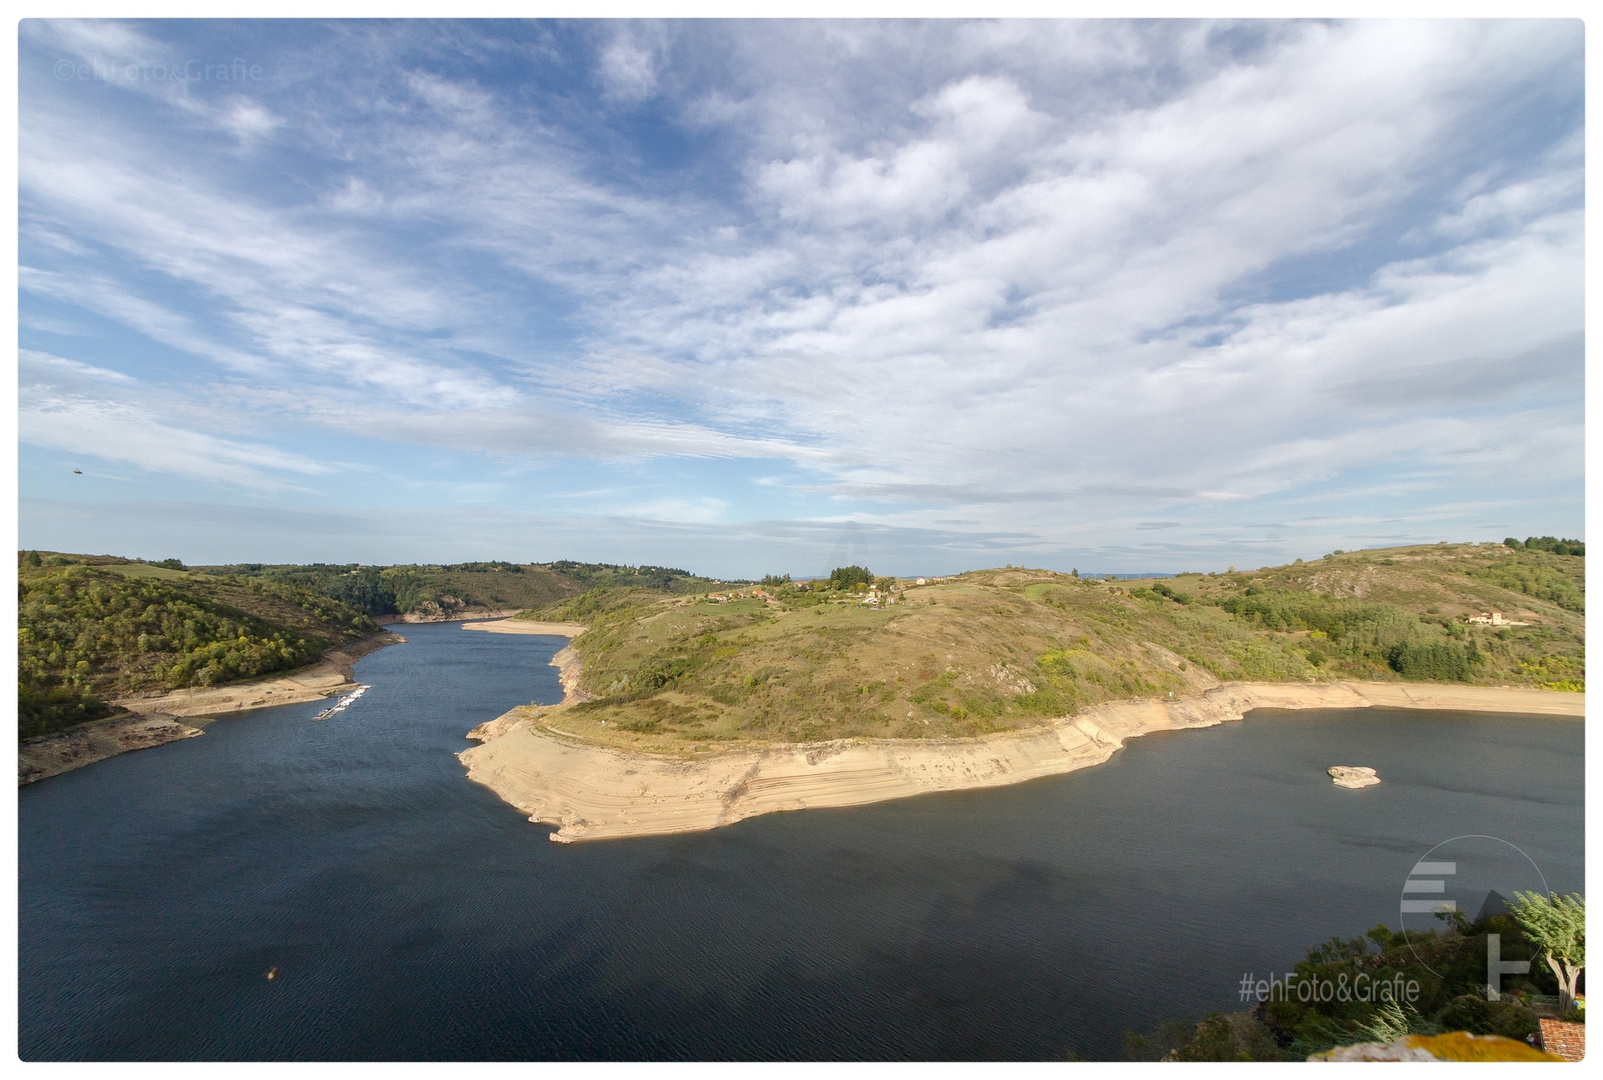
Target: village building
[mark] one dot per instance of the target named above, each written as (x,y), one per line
(1494,618)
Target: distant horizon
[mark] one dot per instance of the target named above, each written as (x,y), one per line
(732,578)
(944,293)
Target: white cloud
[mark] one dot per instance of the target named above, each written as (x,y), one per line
(1035,275)
(248,121)
(32,363)
(116,431)
(628,66)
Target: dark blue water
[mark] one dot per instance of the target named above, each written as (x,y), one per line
(412,915)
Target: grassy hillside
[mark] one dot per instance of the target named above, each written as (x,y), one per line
(93,628)
(992,650)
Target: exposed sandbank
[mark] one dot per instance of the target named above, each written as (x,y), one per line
(155,719)
(592,792)
(527,626)
(63,751)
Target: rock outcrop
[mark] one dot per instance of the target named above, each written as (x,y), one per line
(1353,776)
(1453,1046)
(85,744)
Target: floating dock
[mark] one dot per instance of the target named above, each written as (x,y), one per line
(341,705)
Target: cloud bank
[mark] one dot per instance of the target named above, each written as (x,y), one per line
(1131,295)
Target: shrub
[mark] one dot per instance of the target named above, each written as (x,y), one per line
(1440,661)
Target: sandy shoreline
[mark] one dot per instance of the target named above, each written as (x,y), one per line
(526,626)
(331,675)
(156,719)
(591,792)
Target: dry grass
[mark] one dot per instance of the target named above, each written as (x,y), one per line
(999,650)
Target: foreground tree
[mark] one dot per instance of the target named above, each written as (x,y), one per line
(844,577)
(1557,926)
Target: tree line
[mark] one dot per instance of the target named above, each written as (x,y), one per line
(1546,543)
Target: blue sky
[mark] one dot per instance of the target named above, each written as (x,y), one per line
(751,296)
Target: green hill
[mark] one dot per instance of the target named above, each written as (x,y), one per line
(993,650)
(444,591)
(96,627)
(91,628)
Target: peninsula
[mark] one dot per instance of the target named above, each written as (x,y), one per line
(117,654)
(691,712)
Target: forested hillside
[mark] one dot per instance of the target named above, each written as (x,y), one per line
(92,629)
(444,591)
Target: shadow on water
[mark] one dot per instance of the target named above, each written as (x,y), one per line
(409,914)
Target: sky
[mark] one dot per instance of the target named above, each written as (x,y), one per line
(753,297)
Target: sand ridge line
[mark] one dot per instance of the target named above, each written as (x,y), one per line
(592,792)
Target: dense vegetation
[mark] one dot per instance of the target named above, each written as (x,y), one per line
(846,577)
(425,591)
(1547,543)
(100,628)
(451,590)
(1404,612)
(998,649)
(1448,968)
(609,576)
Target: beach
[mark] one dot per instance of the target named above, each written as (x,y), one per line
(591,792)
(527,626)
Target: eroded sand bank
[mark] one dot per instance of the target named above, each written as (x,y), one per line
(63,751)
(156,719)
(591,792)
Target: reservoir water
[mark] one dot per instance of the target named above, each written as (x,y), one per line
(410,914)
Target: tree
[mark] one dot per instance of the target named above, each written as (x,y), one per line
(844,577)
(1438,660)
(1557,927)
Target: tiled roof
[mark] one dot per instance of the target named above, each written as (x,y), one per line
(1563,1039)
